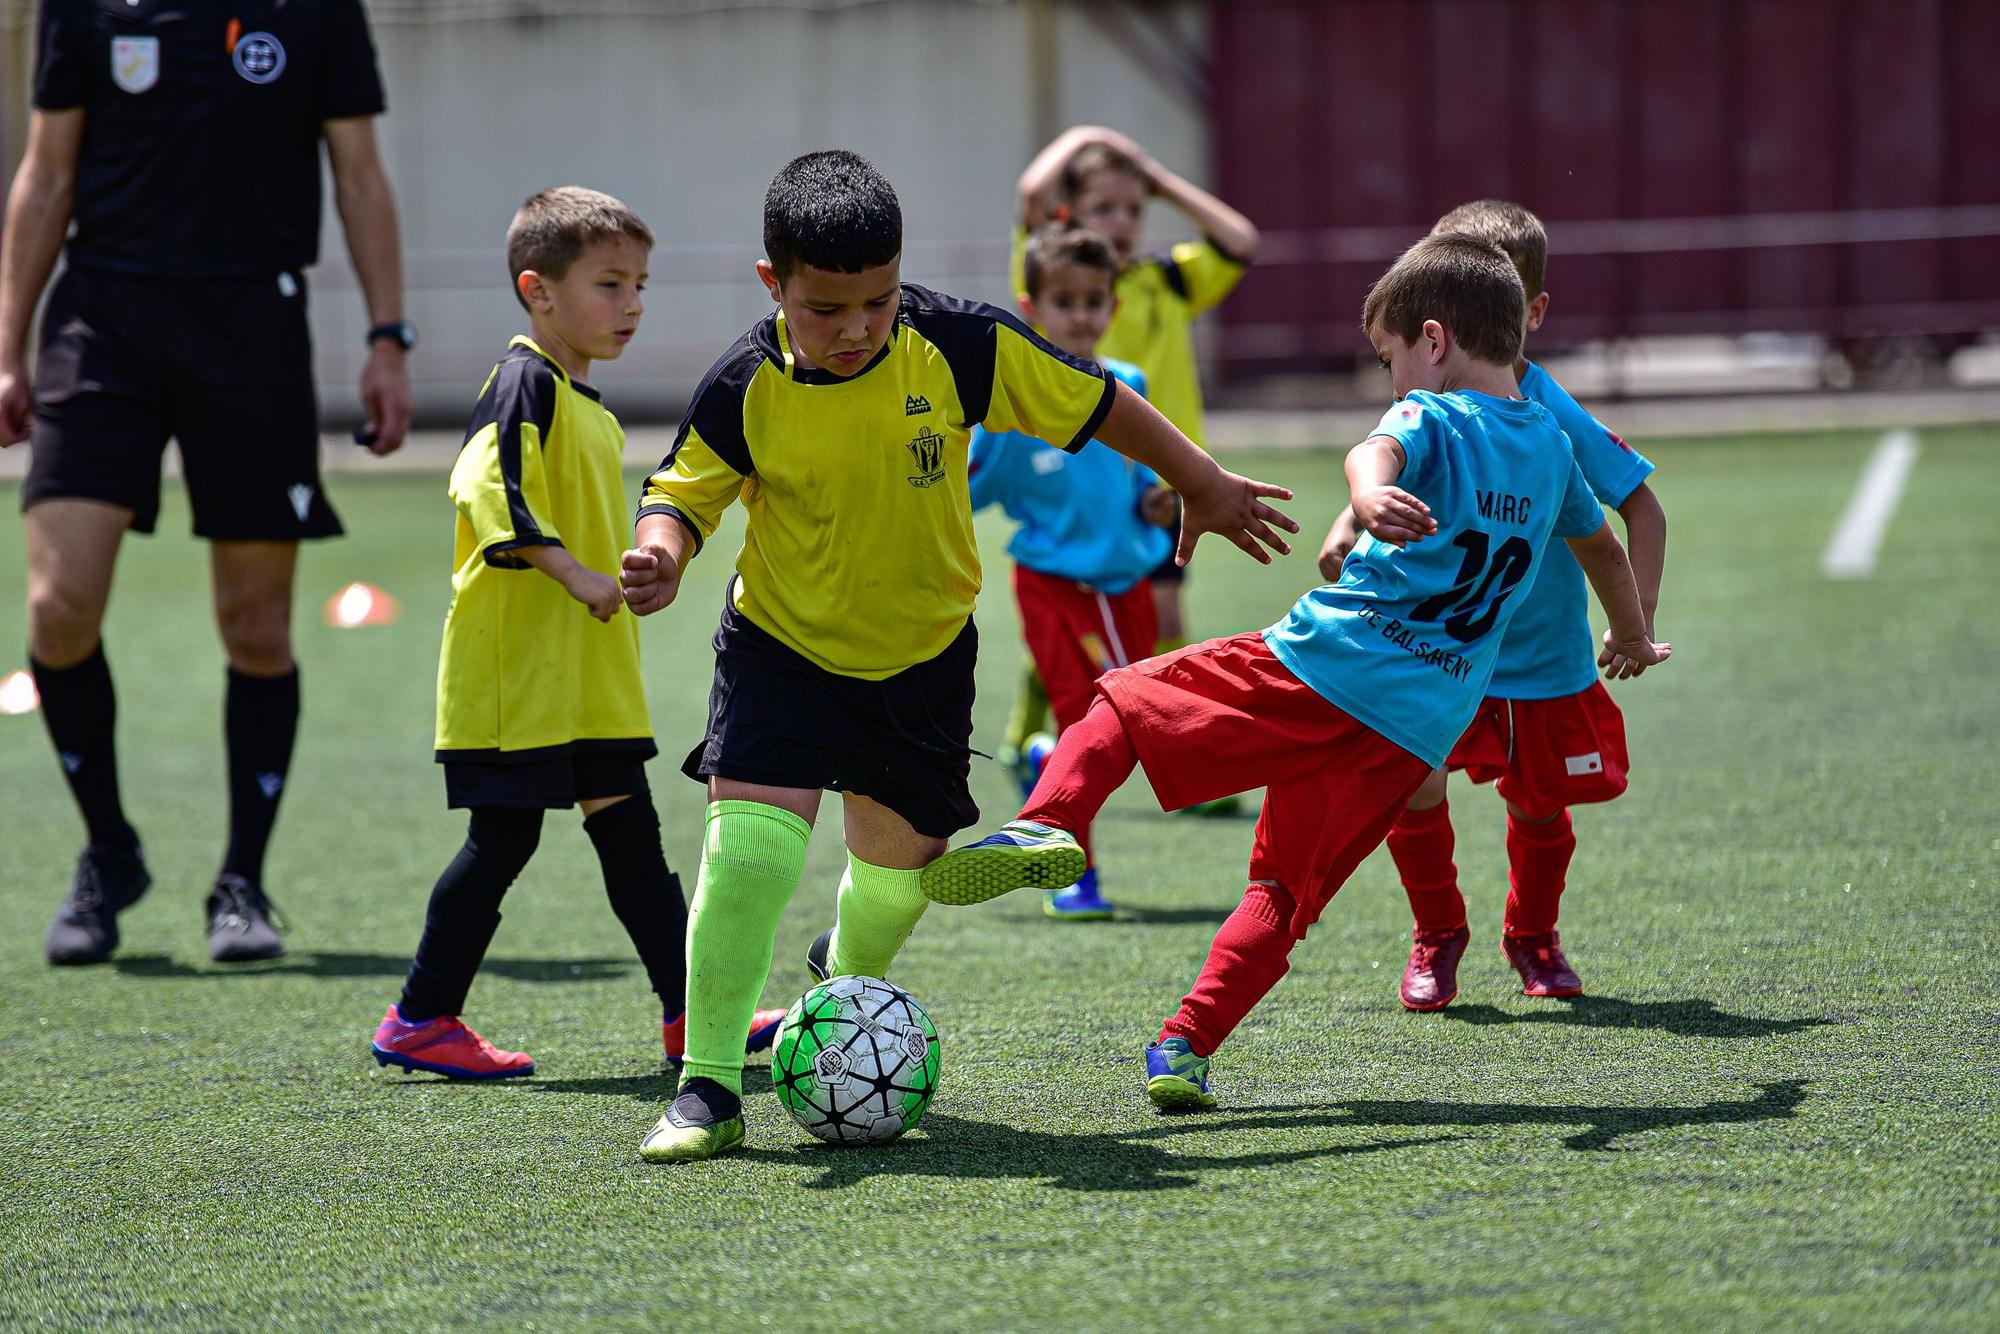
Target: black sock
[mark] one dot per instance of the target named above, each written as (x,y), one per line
(644,893)
(81,711)
(260,719)
(465,910)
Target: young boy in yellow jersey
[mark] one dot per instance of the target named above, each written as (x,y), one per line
(540,702)
(1547,729)
(845,655)
(1102,179)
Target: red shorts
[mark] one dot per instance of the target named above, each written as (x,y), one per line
(1076,634)
(1226,716)
(1547,754)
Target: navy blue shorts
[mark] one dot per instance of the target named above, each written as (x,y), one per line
(223,367)
(776,719)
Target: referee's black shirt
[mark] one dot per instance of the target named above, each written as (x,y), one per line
(200,154)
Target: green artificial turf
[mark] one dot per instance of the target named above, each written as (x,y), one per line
(1774,1109)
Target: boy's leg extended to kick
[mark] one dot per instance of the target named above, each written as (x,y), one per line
(753,854)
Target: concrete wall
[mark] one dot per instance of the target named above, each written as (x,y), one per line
(685,110)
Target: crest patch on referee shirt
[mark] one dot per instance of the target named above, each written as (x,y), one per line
(928,451)
(135,63)
(259,57)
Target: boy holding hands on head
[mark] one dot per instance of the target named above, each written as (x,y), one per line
(1344,706)
(1101,179)
(1547,729)
(844,659)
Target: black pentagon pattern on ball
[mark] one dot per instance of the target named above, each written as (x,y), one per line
(881,1036)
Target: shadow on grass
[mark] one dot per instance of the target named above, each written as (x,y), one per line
(1214,916)
(1692,1018)
(1138,1160)
(1776,1100)
(655,1090)
(323,963)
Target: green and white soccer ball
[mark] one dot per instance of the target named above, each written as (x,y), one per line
(856,1061)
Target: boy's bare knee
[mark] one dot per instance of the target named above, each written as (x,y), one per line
(1429,793)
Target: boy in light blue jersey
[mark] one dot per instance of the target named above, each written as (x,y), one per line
(1547,731)
(1342,708)
(1093,523)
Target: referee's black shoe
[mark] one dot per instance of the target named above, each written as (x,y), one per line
(239,922)
(107,881)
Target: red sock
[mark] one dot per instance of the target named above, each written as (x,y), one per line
(1092,760)
(1251,952)
(1422,843)
(1537,864)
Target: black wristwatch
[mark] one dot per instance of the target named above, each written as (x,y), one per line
(404,332)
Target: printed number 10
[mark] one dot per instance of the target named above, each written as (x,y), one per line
(1475,609)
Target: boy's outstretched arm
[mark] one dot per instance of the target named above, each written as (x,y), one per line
(1628,646)
(1340,540)
(1213,500)
(1646,539)
(1387,511)
(651,571)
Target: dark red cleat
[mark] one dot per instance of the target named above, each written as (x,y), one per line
(1430,979)
(1540,962)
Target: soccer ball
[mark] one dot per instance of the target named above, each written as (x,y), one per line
(856,1061)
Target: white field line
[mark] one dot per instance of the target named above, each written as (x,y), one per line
(1850,554)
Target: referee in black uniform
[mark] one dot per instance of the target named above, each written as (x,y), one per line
(181,137)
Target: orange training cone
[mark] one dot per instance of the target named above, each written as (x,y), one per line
(360,604)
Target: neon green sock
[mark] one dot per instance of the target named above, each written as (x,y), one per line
(751,860)
(879,906)
(1031,708)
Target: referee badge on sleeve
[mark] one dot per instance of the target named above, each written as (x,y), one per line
(135,63)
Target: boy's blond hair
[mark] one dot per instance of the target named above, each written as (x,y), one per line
(554,227)
(1514,229)
(1462,281)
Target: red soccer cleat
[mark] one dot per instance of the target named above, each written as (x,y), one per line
(1430,979)
(763,1031)
(1540,962)
(444,1046)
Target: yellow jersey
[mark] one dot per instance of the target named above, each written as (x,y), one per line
(526,671)
(1158,299)
(859,554)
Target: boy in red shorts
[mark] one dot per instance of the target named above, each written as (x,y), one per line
(1093,523)
(1547,731)
(1343,707)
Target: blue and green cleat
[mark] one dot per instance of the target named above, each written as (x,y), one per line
(1079,903)
(1022,855)
(1176,1078)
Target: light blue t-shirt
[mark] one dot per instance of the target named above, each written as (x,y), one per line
(1549,650)
(1406,641)
(1079,513)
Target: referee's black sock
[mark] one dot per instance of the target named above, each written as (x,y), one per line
(81,711)
(644,893)
(260,720)
(465,910)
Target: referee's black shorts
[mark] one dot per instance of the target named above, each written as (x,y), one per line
(776,719)
(224,367)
